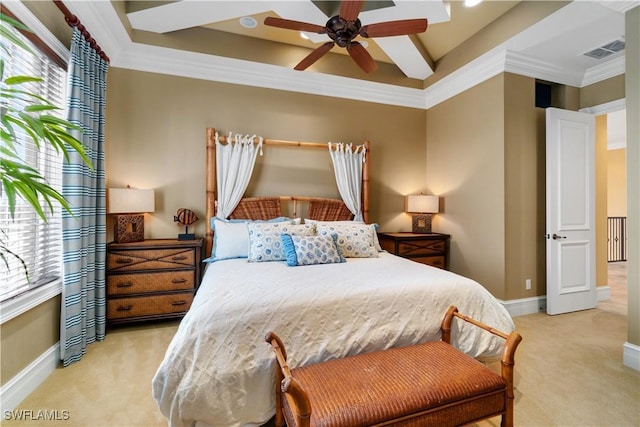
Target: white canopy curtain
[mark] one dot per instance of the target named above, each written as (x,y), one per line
(347,165)
(234,165)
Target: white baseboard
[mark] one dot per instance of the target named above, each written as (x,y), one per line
(23,384)
(631,356)
(604,293)
(524,306)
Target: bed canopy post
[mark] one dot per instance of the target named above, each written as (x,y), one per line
(365,181)
(210,188)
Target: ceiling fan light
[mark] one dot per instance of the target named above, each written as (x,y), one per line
(472,3)
(248,22)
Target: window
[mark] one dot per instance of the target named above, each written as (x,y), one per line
(37,243)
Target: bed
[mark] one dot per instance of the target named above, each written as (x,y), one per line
(218,371)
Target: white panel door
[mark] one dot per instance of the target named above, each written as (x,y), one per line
(570,190)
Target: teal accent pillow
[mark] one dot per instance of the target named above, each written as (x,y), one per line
(311,250)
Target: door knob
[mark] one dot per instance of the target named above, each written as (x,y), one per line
(557,236)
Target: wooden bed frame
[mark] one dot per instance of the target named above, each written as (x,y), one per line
(211,186)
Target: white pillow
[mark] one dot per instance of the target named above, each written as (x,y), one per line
(376,242)
(231,240)
(231,237)
(265,243)
(355,239)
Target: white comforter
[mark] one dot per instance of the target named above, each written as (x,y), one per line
(219,371)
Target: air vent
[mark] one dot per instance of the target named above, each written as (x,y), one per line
(606,50)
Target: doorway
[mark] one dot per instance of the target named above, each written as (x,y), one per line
(616,213)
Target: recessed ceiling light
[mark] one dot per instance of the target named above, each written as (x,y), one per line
(248,22)
(363,43)
(471,3)
(304,35)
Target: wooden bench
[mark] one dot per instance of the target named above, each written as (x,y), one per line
(429,384)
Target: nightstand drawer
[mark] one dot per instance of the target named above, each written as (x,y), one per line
(123,284)
(152,279)
(417,248)
(434,261)
(118,308)
(431,249)
(151,259)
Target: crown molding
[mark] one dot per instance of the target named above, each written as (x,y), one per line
(609,69)
(620,6)
(228,70)
(518,63)
(124,53)
(466,77)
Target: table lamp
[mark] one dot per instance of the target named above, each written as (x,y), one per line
(422,207)
(129,205)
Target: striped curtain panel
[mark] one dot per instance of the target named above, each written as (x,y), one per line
(83,318)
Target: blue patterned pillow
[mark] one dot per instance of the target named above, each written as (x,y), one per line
(265,243)
(311,250)
(355,240)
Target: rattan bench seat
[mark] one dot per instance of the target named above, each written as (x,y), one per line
(417,382)
(429,384)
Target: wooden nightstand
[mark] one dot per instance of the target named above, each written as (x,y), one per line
(431,249)
(152,279)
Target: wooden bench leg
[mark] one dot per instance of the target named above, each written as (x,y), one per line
(507,359)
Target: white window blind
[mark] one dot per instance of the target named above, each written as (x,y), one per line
(36,242)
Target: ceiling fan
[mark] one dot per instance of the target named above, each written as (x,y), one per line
(343,28)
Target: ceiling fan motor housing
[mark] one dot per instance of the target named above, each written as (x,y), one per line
(342,31)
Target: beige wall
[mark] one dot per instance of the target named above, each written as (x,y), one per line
(42,327)
(632,90)
(524,146)
(465,167)
(602,92)
(617,182)
(156,139)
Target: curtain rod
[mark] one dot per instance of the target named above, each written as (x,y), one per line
(73,21)
(224,139)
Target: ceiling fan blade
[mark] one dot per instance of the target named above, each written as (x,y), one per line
(394,28)
(293,25)
(314,56)
(350,9)
(362,57)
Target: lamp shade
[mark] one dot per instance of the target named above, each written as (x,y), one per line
(421,203)
(130,200)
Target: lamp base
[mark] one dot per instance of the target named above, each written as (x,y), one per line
(421,223)
(128,228)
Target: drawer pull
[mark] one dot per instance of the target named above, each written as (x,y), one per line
(178,258)
(180,280)
(124,308)
(124,261)
(124,285)
(182,302)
